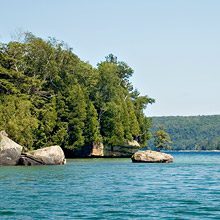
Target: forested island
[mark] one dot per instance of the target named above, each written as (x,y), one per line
(190,132)
(49,96)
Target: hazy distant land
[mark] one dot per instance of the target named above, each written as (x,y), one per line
(191,132)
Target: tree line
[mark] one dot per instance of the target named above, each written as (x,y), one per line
(49,96)
(191,132)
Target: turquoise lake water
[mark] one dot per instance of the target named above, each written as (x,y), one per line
(189,188)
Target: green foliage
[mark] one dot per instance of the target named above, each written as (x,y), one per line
(111,123)
(191,132)
(49,96)
(76,109)
(17,119)
(47,117)
(92,129)
(162,139)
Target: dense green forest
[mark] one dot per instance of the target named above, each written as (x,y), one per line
(49,96)
(192,132)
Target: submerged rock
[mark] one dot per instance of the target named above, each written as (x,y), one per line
(53,155)
(10,151)
(149,156)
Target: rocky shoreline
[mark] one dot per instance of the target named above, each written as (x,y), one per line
(98,150)
(11,154)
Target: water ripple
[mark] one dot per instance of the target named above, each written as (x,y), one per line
(114,189)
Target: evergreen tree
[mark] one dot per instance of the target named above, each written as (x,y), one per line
(49,96)
(76,117)
(17,119)
(162,139)
(111,124)
(92,127)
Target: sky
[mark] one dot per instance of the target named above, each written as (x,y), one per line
(173,45)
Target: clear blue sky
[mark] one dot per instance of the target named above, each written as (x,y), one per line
(172,45)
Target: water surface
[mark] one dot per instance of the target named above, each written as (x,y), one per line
(189,188)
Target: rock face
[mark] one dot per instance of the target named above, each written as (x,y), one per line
(27,159)
(120,151)
(10,151)
(97,150)
(53,155)
(149,156)
(133,143)
(125,151)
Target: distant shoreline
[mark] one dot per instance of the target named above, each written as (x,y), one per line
(195,133)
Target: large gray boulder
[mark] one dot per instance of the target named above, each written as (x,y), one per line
(53,155)
(10,151)
(150,156)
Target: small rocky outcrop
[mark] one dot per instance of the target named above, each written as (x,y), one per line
(125,151)
(53,155)
(10,151)
(97,150)
(120,151)
(149,156)
(133,143)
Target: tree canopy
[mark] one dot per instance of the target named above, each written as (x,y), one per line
(162,139)
(49,96)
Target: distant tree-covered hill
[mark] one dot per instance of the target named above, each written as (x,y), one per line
(192,132)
